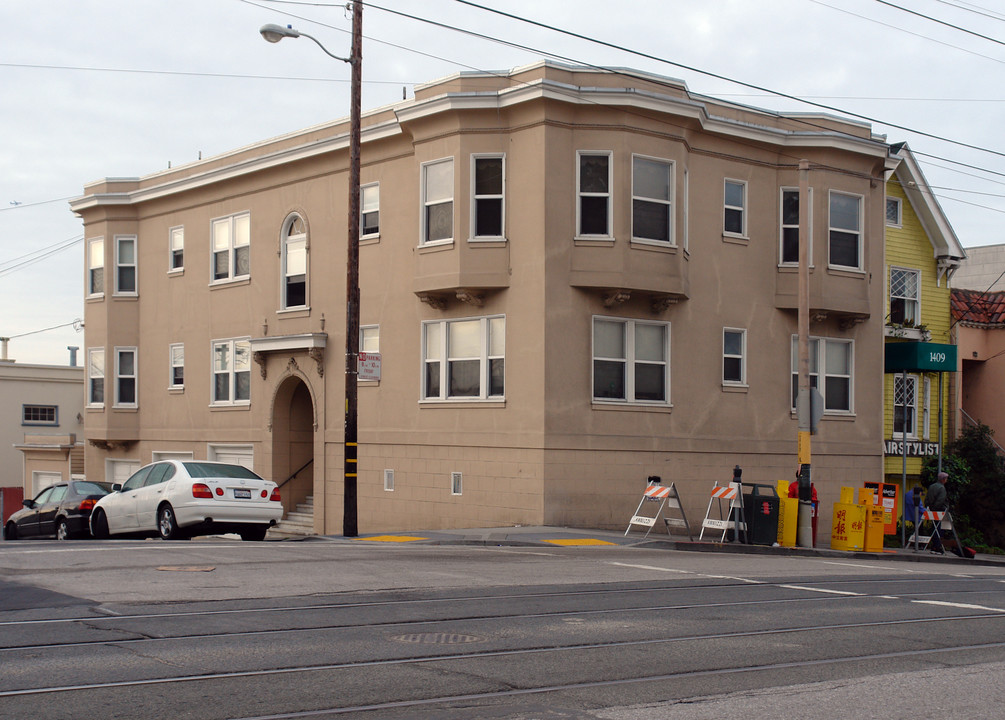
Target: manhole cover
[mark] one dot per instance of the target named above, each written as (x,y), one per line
(437,638)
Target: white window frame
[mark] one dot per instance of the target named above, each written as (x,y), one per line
(782,226)
(685,211)
(231,222)
(912,429)
(388,480)
(120,376)
(426,203)
(95,262)
(670,166)
(369,338)
(858,233)
(926,410)
(287,238)
(456,483)
(741,208)
(176,249)
(629,361)
(916,301)
(92,376)
(121,265)
(369,193)
(39,409)
(741,356)
(436,349)
(608,233)
(231,372)
(489,197)
(899,221)
(818,369)
(174,349)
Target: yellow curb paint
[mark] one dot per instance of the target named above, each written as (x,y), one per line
(579,541)
(392,538)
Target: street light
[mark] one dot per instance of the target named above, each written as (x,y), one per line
(274,33)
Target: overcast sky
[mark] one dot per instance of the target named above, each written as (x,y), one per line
(122,88)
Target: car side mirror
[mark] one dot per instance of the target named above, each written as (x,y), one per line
(116,487)
(28,503)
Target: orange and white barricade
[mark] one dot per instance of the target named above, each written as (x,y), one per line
(943,520)
(668,500)
(733,518)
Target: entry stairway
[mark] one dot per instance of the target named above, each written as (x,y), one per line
(297,523)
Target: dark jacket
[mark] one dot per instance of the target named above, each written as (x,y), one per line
(935,498)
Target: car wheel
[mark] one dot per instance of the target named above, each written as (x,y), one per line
(62,529)
(10,531)
(254,534)
(167,527)
(99,525)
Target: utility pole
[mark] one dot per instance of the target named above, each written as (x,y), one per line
(349,516)
(804,402)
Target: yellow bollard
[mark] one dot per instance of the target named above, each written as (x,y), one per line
(788,515)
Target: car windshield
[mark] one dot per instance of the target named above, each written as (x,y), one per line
(212,470)
(92,488)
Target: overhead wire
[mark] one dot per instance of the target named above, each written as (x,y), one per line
(939,22)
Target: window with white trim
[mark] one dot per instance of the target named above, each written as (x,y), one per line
(369,210)
(905,405)
(464,359)
(125,264)
(369,338)
(438,201)
(593,189)
(652,199)
(893,217)
(40,415)
(125,377)
(231,247)
(294,262)
(734,356)
(231,372)
(685,210)
(488,208)
(96,377)
(631,361)
(176,249)
(96,267)
(789,222)
(926,409)
(905,299)
(832,360)
(176,363)
(845,230)
(734,208)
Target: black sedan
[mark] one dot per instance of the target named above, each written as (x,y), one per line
(62,511)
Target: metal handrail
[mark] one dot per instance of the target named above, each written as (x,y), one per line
(975,423)
(304,467)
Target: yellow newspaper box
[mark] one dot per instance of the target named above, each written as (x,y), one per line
(848,526)
(875,520)
(788,516)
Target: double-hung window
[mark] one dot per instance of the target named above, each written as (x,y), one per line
(231,372)
(176,249)
(831,372)
(905,406)
(652,194)
(438,201)
(369,210)
(231,247)
(487,202)
(125,264)
(631,361)
(176,363)
(904,296)
(734,356)
(845,230)
(125,377)
(96,377)
(464,359)
(96,267)
(734,208)
(593,184)
(789,222)
(294,260)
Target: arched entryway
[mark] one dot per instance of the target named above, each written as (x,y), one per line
(293,428)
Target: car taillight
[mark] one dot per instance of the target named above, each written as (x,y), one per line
(87,504)
(219,491)
(265,493)
(201,490)
(275,495)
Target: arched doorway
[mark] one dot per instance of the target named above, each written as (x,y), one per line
(293,428)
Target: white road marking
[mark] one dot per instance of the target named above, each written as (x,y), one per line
(961,606)
(822,590)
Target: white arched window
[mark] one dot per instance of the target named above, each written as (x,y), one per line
(294,254)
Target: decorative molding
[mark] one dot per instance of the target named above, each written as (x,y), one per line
(818,316)
(317,354)
(110,445)
(259,357)
(434,301)
(616,297)
(291,366)
(470,297)
(847,323)
(660,303)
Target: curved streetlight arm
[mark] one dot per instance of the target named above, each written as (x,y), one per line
(274,33)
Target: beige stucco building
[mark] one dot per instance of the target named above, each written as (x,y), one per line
(575,279)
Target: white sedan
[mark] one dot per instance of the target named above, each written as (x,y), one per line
(181,498)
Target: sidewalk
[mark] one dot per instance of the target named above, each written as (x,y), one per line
(544,536)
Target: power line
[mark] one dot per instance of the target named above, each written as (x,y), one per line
(975,9)
(939,22)
(22,205)
(75,323)
(46,253)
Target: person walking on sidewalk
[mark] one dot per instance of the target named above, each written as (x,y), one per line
(937,499)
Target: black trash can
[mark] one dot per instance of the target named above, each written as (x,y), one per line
(760,508)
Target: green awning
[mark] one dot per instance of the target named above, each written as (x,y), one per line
(919,357)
